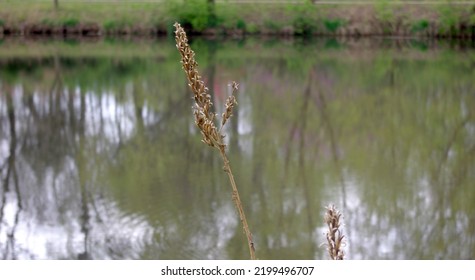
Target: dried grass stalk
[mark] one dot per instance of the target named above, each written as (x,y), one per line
(335,237)
(230,103)
(205,119)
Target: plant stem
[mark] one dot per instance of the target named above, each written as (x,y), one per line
(238,204)
(205,119)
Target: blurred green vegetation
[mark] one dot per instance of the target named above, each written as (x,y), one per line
(298,18)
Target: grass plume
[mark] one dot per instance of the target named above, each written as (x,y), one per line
(335,237)
(205,119)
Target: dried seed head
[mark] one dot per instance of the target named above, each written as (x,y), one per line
(230,103)
(204,117)
(235,87)
(189,64)
(334,235)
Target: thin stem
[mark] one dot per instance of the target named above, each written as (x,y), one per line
(205,119)
(238,204)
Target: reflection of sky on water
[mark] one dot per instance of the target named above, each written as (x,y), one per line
(43,218)
(105,116)
(245,128)
(3,150)
(46,219)
(62,236)
(115,120)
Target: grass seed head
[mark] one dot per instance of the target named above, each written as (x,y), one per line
(335,237)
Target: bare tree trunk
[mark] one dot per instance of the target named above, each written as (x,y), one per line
(56,4)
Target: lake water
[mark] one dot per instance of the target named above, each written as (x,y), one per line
(100,157)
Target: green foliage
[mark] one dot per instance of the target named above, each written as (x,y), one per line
(420,25)
(194,13)
(448,20)
(110,25)
(304,25)
(304,18)
(385,14)
(471,20)
(70,22)
(241,24)
(115,25)
(384,11)
(332,25)
(2,23)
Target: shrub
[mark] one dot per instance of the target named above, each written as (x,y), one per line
(70,22)
(448,21)
(193,13)
(241,24)
(420,25)
(332,25)
(110,25)
(304,25)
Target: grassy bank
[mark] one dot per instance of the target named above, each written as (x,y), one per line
(237,18)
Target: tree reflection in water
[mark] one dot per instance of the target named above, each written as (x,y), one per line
(100,159)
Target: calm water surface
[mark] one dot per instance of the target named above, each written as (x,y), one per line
(100,157)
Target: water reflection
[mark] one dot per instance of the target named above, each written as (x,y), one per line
(100,158)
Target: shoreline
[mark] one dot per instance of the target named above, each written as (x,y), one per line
(383,18)
(162,47)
